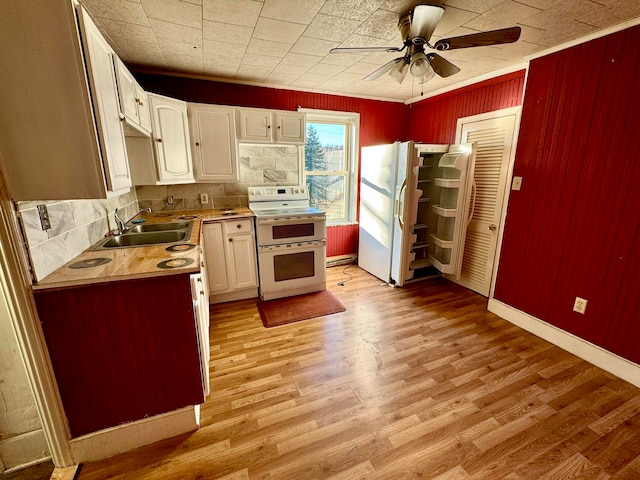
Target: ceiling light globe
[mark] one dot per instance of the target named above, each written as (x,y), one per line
(419,64)
(399,71)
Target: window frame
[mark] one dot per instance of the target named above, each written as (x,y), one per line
(352,138)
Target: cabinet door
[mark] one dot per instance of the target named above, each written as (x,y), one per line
(144,114)
(127,92)
(291,128)
(104,92)
(201,312)
(241,255)
(171,139)
(255,126)
(215,257)
(213,141)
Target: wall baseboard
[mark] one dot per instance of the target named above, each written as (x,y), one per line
(598,356)
(120,439)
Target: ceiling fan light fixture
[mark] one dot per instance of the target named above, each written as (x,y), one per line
(427,76)
(419,64)
(399,71)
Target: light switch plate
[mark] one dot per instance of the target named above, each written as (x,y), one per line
(517,183)
(204,198)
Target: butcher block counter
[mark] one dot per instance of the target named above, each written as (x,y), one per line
(111,264)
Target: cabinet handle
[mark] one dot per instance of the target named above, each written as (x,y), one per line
(138,101)
(231,239)
(238,226)
(200,280)
(202,292)
(268,126)
(197,144)
(492,227)
(159,140)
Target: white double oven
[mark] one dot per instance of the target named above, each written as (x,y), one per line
(291,239)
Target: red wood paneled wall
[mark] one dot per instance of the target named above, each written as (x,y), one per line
(574,228)
(380,122)
(434,120)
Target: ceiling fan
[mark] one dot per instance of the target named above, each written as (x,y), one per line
(416,28)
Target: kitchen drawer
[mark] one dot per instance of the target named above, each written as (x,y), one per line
(234,227)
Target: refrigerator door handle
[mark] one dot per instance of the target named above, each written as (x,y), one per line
(474,191)
(400,204)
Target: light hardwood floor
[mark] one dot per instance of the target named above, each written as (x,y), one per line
(416,382)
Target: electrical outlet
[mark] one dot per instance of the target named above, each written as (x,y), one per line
(580,305)
(204,198)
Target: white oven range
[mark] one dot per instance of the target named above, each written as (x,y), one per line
(291,238)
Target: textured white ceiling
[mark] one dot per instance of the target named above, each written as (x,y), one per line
(286,43)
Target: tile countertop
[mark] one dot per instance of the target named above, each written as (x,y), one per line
(138,262)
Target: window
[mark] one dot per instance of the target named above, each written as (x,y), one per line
(330,168)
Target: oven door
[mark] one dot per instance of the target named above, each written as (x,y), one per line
(292,269)
(272,231)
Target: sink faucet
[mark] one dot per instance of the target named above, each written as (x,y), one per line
(122,226)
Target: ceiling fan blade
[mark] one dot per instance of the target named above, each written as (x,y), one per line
(383,69)
(442,66)
(366,49)
(424,20)
(494,37)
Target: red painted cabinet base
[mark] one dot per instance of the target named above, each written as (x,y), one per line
(122,351)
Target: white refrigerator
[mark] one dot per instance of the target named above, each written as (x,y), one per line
(416,201)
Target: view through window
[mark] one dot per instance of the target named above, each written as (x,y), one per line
(329,168)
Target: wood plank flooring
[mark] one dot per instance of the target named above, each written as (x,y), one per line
(416,382)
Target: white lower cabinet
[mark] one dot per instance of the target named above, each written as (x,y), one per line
(230,252)
(201,313)
(200,296)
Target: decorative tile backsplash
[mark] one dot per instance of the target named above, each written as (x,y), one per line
(269,164)
(75,226)
(187,196)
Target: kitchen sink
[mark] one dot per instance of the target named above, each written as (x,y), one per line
(158,227)
(147,235)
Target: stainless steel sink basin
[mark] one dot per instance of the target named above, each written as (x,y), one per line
(147,235)
(158,227)
(141,239)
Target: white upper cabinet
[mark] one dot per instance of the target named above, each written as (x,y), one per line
(133,100)
(213,143)
(271,126)
(144,110)
(290,128)
(59,116)
(254,126)
(104,91)
(170,136)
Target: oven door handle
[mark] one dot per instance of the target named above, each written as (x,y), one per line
(287,247)
(283,220)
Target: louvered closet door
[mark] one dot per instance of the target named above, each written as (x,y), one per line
(494,143)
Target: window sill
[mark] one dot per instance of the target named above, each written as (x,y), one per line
(343,223)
